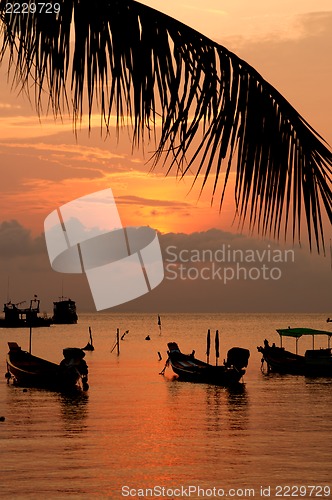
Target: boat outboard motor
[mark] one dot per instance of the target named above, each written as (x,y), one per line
(73,360)
(238,357)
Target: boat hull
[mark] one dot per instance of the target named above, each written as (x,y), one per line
(27,370)
(315,363)
(218,375)
(190,369)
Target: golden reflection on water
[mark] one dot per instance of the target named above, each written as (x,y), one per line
(137,428)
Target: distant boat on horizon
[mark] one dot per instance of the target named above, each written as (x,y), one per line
(64,312)
(24,317)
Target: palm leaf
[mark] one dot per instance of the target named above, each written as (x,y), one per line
(215,110)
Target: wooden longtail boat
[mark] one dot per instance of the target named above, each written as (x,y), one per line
(188,368)
(315,362)
(27,370)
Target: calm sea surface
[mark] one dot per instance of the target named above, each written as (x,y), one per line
(135,430)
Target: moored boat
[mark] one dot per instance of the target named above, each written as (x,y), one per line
(23,317)
(188,368)
(64,312)
(27,370)
(314,362)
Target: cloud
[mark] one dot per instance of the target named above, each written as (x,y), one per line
(214,239)
(297,29)
(298,65)
(78,151)
(261,275)
(150,202)
(43,166)
(71,160)
(27,127)
(276,28)
(7,106)
(16,241)
(304,283)
(30,127)
(313,24)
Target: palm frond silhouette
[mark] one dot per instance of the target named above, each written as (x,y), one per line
(216,113)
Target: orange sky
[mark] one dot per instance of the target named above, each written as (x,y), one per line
(44,164)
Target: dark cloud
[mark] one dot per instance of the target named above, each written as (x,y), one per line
(16,241)
(25,270)
(303,280)
(303,285)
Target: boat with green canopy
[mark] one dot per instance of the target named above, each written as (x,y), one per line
(315,362)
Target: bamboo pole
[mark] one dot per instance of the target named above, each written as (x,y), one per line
(217,346)
(208,343)
(118,341)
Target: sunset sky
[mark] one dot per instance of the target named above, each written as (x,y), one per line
(44,164)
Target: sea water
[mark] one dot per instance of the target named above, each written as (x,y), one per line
(138,434)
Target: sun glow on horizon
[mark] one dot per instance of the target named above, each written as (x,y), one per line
(46,165)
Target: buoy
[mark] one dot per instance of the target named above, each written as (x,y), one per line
(2,419)
(147,337)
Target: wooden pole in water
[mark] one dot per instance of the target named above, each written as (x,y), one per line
(124,334)
(208,343)
(217,346)
(118,341)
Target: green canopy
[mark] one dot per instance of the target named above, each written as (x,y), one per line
(298,332)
